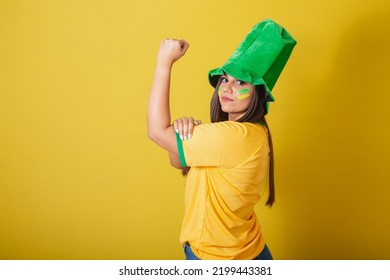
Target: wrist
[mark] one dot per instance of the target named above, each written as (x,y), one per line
(164,68)
(164,63)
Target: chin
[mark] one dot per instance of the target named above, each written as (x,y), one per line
(226,109)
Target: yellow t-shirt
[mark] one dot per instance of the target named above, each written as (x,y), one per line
(229,166)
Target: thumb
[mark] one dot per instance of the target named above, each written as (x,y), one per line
(184,45)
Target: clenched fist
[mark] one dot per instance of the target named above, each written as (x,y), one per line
(170,51)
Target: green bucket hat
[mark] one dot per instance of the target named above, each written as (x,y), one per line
(260,58)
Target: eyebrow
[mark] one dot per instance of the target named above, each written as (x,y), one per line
(229,77)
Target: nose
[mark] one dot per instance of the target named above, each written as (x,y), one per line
(227,88)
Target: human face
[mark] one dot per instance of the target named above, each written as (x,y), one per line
(234,96)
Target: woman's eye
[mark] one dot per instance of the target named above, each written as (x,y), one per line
(223,80)
(241,83)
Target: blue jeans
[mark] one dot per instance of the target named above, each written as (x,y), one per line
(264,255)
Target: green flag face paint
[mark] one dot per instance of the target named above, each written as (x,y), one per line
(243,93)
(245,90)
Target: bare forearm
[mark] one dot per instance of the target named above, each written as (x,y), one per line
(159,116)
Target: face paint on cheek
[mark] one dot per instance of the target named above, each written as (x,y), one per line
(243,93)
(219,91)
(243,96)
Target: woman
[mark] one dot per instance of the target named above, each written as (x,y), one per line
(230,159)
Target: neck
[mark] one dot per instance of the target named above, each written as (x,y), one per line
(235,117)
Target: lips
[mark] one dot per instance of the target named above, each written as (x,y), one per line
(226,99)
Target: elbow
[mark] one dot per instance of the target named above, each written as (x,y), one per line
(161,138)
(153,131)
(152,136)
(176,164)
(156,137)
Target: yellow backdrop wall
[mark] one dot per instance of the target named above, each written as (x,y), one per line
(80,180)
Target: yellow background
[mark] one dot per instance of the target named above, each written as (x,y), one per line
(80,180)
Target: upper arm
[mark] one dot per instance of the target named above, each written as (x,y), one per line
(166,139)
(174,160)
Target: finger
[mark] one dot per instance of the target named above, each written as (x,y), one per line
(186,123)
(175,126)
(184,45)
(190,128)
(197,122)
(180,128)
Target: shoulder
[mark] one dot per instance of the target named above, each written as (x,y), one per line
(231,130)
(235,127)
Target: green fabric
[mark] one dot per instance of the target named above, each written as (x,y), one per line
(260,58)
(180,151)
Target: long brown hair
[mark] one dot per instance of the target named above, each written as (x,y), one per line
(255,114)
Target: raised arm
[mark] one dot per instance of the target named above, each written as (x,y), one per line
(160,130)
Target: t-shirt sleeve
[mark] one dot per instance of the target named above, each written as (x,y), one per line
(223,144)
